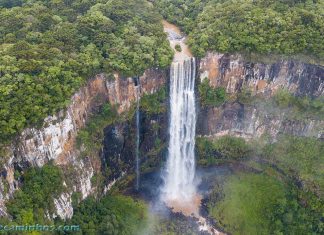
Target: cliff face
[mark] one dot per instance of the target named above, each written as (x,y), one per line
(250,121)
(56,139)
(119,144)
(233,73)
(254,121)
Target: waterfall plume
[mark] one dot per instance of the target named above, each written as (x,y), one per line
(180,167)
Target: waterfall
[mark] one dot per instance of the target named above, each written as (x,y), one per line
(137,167)
(180,168)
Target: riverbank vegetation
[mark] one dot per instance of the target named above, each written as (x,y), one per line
(48,49)
(300,158)
(262,27)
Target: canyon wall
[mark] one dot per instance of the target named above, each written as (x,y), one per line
(55,140)
(119,145)
(263,80)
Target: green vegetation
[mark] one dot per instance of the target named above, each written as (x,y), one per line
(262,26)
(90,138)
(183,13)
(35,198)
(250,200)
(154,103)
(301,106)
(112,214)
(221,150)
(49,48)
(294,107)
(245,97)
(261,204)
(285,197)
(178,48)
(10,3)
(301,159)
(210,96)
(173,225)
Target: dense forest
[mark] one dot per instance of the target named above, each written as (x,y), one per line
(49,48)
(35,198)
(283,27)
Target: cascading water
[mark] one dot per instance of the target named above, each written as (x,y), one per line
(137,134)
(179,189)
(180,169)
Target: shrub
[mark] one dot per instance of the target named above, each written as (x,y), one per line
(210,96)
(301,106)
(40,186)
(226,148)
(178,48)
(154,103)
(110,215)
(91,136)
(245,97)
(232,147)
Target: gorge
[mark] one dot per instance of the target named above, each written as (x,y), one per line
(212,144)
(119,138)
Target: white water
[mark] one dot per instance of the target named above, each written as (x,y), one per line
(180,169)
(137,137)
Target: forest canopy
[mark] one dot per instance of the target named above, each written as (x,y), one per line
(282,27)
(49,48)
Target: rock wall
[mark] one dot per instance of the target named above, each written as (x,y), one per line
(253,121)
(55,141)
(119,144)
(233,73)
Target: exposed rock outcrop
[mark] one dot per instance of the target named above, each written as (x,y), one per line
(253,121)
(56,139)
(233,73)
(119,145)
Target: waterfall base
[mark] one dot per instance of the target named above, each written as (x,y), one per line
(188,208)
(191,208)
